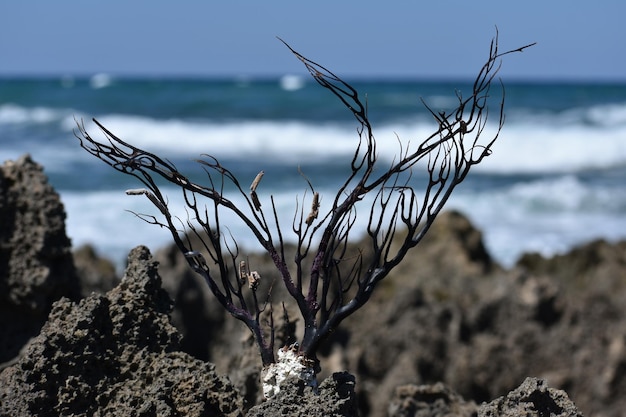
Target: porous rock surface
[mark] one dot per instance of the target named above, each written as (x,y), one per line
(335,397)
(448,314)
(429,400)
(532,399)
(36,266)
(96,274)
(112,355)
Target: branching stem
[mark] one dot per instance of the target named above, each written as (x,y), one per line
(336,283)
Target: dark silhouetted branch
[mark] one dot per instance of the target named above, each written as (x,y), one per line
(329,282)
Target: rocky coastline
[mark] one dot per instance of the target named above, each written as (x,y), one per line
(451,332)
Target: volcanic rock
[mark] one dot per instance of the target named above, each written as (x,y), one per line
(115,354)
(532,399)
(36,266)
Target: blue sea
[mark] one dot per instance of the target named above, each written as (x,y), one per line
(556,178)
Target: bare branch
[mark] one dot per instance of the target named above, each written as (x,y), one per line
(332,279)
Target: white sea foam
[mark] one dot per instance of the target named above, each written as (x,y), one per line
(292,82)
(548,216)
(107,220)
(13,114)
(280,140)
(524,148)
(529,144)
(608,115)
(102,219)
(100,80)
(521,148)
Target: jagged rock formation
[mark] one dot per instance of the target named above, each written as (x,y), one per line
(96,274)
(448,314)
(532,399)
(429,400)
(36,266)
(115,354)
(482,330)
(335,398)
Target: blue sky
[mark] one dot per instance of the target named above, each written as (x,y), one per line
(439,38)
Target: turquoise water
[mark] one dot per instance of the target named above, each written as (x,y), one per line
(556,177)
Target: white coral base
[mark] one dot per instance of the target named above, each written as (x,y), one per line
(288,364)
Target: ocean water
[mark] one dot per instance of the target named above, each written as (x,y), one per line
(556,178)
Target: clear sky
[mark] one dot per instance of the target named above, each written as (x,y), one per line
(441,38)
